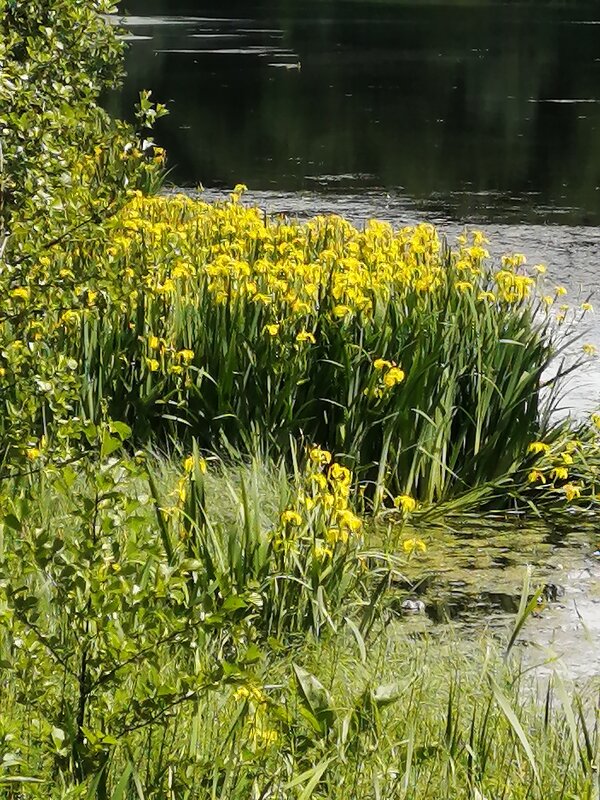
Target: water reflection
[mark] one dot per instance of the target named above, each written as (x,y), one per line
(477,102)
(474,578)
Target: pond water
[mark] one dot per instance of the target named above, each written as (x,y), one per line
(472,112)
(472,574)
(482,110)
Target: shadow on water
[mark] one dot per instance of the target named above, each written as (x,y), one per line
(479,108)
(471,578)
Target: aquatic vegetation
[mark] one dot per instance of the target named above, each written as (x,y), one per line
(300,569)
(422,366)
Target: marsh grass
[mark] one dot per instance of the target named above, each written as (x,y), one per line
(415,719)
(424,367)
(210,625)
(135,669)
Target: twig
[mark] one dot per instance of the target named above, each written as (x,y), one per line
(106,676)
(42,639)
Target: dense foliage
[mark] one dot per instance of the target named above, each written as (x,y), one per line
(424,366)
(181,627)
(227,645)
(65,168)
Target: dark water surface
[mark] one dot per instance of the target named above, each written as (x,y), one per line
(484,110)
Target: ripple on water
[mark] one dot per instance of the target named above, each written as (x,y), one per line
(155,21)
(473,581)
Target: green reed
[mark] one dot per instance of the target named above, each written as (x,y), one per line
(476,391)
(131,669)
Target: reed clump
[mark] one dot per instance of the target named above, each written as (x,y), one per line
(424,367)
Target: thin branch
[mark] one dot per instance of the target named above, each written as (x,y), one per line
(34,470)
(42,639)
(191,695)
(110,211)
(112,672)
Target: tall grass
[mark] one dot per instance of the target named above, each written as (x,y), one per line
(184,630)
(131,672)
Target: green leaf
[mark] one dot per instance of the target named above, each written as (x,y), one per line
(69,476)
(233,603)
(316,698)
(386,694)
(526,608)
(90,431)
(359,639)
(122,430)
(311,776)
(161,518)
(252,654)
(516,726)
(123,784)
(12,521)
(58,737)
(568,709)
(109,445)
